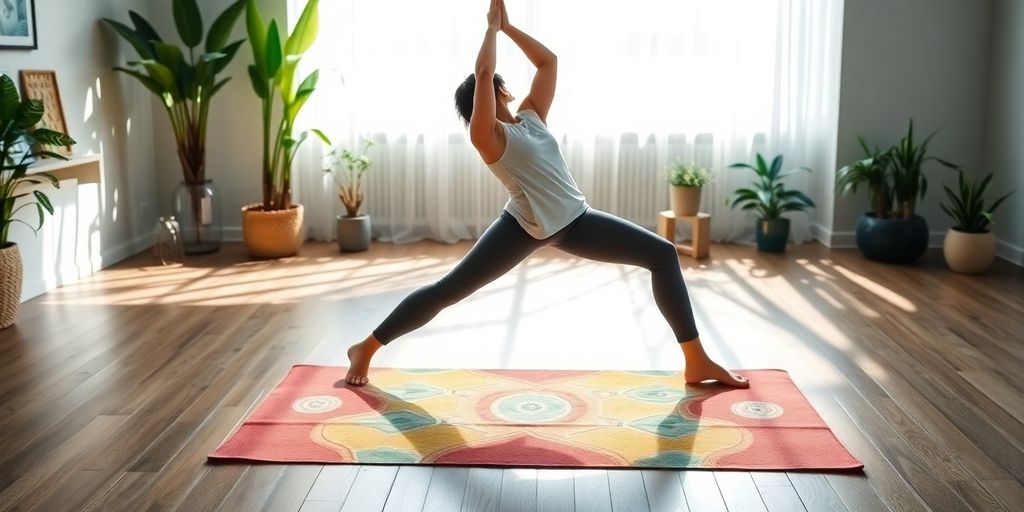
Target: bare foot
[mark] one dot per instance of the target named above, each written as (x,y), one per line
(709,370)
(359,356)
(700,367)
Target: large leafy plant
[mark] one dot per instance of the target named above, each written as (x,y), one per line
(873,171)
(17,117)
(908,181)
(768,195)
(185,86)
(967,205)
(276,57)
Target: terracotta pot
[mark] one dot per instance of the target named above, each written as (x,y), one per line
(685,201)
(969,253)
(10,285)
(272,234)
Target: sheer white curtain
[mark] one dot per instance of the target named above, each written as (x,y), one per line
(640,84)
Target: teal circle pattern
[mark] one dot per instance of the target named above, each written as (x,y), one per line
(532,407)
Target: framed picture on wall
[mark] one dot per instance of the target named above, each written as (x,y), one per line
(42,85)
(18,24)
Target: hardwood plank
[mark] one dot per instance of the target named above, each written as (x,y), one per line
(254,488)
(627,491)
(1009,493)
(410,489)
(291,489)
(769,478)
(856,493)
(333,483)
(781,498)
(483,487)
(518,490)
(446,490)
(555,490)
(739,491)
(701,491)
(370,489)
(320,506)
(815,493)
(664,491)
(591,490)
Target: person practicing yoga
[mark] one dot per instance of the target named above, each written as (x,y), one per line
(545,208)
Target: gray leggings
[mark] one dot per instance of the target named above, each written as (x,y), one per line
(594,235)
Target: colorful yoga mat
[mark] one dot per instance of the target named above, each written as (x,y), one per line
(537,418)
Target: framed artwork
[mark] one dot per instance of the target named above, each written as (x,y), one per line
(18,24)
(39,84)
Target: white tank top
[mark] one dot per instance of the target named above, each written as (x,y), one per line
(543,197)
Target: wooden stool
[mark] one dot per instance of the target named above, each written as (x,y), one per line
(700,225)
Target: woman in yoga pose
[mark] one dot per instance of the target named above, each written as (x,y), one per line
(545,207)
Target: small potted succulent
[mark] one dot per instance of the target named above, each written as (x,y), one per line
(353,228)
(970,247)
(769,198)
(687,180)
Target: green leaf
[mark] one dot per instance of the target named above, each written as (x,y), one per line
(321,136)
(257,36)
(148,82)
(143,28)
(221,29)
(29,113)
(305,31)
(308,85)
(51,137)
(188,21)
(273,55)
(9,99)
(161,74)
(43,200)
(170,56)
(259,83)
(141,45)
(229,52)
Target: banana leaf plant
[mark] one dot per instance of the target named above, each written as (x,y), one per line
(185,86)
(276,57)
(17,118)
(768,195)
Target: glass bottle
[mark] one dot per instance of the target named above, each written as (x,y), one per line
(198,210)
(168,247)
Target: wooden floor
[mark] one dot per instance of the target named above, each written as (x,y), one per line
(114,389)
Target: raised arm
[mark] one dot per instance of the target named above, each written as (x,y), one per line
(542,91)
(483,124)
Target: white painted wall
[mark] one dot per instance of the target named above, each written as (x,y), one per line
(926,59)
(95,225)
(1006,126)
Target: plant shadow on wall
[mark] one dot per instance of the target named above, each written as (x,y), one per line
(19,189)
(186,87)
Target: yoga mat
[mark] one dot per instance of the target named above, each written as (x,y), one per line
(537,418)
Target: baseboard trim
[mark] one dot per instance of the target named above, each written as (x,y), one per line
(1010,252)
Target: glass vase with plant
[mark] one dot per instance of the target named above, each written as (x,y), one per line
(769,199)
(186,81)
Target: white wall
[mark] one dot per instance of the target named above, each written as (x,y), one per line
(95,225)
(926,59)
(1006,126)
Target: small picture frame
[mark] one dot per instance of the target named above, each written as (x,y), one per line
(42,84)
(18,24)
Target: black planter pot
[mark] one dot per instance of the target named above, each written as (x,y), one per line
(772,234)
(892,240)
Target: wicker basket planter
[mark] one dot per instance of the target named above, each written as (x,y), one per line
(273,234)
(10,285)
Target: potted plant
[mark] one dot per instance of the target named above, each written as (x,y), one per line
(353,228)
(769,198)
(273,228)
(969,246)
(185,86)
(17,117)
(891,232)
(687,181)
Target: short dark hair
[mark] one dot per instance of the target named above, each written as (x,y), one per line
(464,96)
